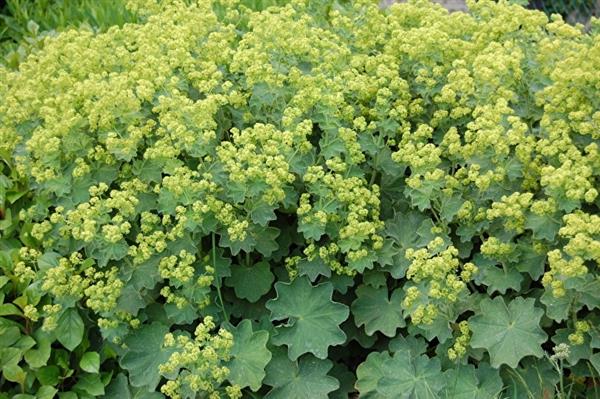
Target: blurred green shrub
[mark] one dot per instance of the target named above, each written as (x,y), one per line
(22,22)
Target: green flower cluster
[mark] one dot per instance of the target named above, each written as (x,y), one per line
(439,279)
(198,363)
(344,210)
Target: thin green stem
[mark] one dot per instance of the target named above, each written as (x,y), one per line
(218,281)
(435,215)
(373,178)
(562,385)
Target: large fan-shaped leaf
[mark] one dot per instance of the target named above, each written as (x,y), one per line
(508,332)
(249,356)
(312,318)
(377,311)
(305,378)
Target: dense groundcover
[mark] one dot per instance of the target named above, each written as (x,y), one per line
(309,201)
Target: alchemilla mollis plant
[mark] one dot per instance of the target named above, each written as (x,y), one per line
(308,200)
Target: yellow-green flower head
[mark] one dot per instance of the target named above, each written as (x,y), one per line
(200,361)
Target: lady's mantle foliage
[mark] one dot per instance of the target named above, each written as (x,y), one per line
(223,200)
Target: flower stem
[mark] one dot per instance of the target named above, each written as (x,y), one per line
(218,280)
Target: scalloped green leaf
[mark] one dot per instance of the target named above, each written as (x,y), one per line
(145,353)
(369,373)
(300,379)
(468,382)
(557,308)
(418,377)
(378,311)
(499,278)
(509,332)
(399,376)
(252,282)
(310,318)
(544,227)
(414,345)
(249,355)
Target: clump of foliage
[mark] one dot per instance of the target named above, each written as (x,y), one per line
(23,22)
(306,201)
